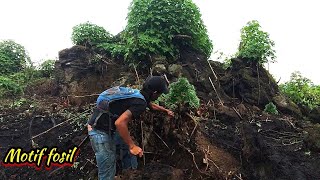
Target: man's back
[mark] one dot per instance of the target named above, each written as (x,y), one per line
(135,105)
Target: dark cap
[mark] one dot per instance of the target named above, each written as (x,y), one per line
(157,83)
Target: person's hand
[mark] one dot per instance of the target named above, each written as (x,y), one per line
(136,150)
(89,127)
(170,113)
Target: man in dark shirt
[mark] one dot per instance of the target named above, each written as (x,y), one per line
(104,135)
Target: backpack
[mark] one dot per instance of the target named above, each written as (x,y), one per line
(111,95)
(117,93)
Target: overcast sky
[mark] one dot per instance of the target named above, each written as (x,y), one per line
(44,27)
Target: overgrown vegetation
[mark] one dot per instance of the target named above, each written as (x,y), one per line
(154,28)
(256,44)
(154,25)
(182,94)
(271,109)
(13,85)
(8,87)
(116,49)
(13,57)
(47,67)
(302,91)
(89,34)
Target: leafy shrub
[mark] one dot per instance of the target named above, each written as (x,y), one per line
(301,90)
(89,34)
(115,49)
(47,68)
(9,88)
(255,44)
(13,57)
(153,25)
(182,94)
(271,109)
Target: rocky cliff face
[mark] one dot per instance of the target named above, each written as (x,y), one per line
(228,137)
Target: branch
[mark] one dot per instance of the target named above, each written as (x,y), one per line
(142,140)
(161,140)
(216,91)
(212,70)
(60,124)
(237,113)
(181,36)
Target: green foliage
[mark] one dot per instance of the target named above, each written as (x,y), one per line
(271,109)
(115,49)
(13,85)
(47,68)
(20,102)
(301,90)
(8,87)
(226,59)
(153,25)
(89,34)
(13,57)
(256,44)
(182,94)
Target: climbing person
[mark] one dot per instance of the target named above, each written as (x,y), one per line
(108,125)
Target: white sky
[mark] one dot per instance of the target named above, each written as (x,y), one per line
(44,27)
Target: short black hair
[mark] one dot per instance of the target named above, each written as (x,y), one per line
(156,83)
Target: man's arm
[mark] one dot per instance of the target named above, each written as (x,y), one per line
(160,108)
(122,127)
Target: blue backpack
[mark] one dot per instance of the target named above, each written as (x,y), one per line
(110,95)
(117,93)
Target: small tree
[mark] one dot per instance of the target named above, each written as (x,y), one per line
(182,94)
(271,109)
(153,25)
(13,57)
(255,44)
(9,88)
(89,34)
(301,90)
(47,68)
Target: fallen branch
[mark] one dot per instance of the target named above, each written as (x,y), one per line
(138,79)
(195,127)
(237,113)
(195,122)
(147,152)
(215,165)
(56,170)
(206,158)
(206,153)
(193,157)
(291,143)
(142,140)
(212,70)
(58,125)
(161,140)
(83,141)
(216,91)
(239,176)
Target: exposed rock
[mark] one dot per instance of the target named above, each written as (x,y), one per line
(159,69)
(249,82)
(285,105)
(315,115)
(81,73)
(175,70)
(313,138)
